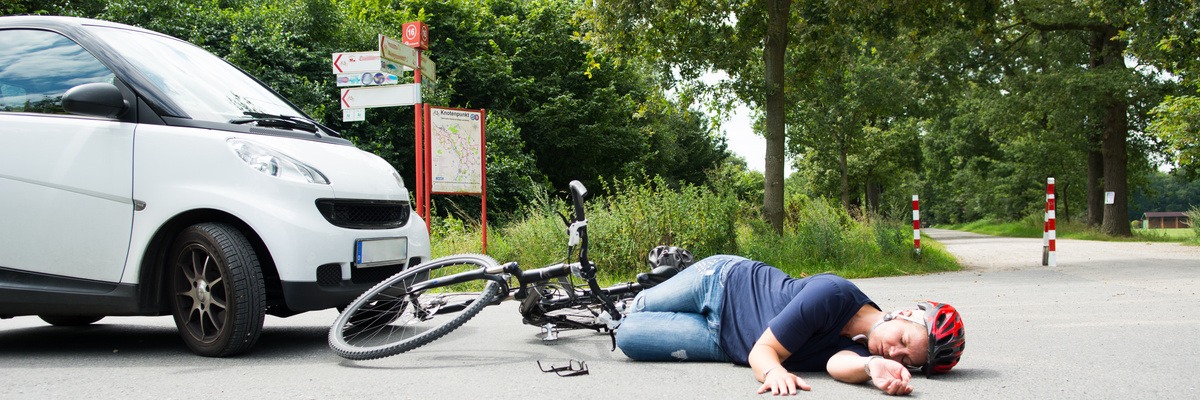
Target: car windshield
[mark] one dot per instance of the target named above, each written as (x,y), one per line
(204,86)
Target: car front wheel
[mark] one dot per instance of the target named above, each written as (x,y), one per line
(217,291)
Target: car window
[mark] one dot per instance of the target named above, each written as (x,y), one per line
(200,83)
(37,67)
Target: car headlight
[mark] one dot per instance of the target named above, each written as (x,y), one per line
(274,163)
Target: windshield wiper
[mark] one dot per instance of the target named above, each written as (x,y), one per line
(283,121)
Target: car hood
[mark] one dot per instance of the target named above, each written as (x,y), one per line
(352,172)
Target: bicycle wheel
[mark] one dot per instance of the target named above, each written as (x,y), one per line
(390,319)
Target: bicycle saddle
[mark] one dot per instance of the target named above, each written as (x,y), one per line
(656,276)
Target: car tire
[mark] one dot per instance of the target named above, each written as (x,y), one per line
(218,298)
(70,320)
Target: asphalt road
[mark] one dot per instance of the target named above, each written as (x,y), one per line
(1111,321)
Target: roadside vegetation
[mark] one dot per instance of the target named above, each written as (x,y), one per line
(1032,227)
(998,96)
(623,226)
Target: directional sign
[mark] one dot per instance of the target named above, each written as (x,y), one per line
(354,114)
(366,79)
(395,51)
(393,68)
(358,61)
(381,96)
(428,68)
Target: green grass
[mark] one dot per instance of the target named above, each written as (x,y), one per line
(1031,227)
(819,237)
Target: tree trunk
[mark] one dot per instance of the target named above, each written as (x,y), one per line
(1060,203)
(1095,154)
(1116,161)
(844,172)
(873,193)
(775,46)
(1094,188)
(1115,142)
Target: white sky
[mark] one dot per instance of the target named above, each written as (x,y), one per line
(742,140)
(739,133)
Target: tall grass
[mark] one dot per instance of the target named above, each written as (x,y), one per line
(820,236)
(624,226)
(1194,219)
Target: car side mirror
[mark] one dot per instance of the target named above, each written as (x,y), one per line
(95,99)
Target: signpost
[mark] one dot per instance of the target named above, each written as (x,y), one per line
(428,68)
(371,79)
(381,96)
(366,79)
(355,62)
(395,51)
(354,114)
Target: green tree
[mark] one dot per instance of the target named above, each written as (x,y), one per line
(556,116)
(1111,93)
(747,40)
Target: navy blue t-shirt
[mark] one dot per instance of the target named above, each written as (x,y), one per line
(806,315)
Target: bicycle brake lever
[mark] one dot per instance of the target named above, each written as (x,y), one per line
(564,219)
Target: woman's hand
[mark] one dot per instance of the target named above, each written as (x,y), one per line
(781,382)
(889,376)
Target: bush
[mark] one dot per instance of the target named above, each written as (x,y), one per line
(1194,220)
(622,228)
(819,236)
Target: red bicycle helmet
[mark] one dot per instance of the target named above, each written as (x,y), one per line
(946,337)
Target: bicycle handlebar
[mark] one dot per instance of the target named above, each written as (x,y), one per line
(587,270)
(577,192)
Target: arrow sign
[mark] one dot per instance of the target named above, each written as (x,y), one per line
(358,61)
(395,51)
(381,96)
(428,68)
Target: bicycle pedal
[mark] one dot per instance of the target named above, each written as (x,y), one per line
(550,335)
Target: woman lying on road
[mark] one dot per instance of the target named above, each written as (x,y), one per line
(728,308)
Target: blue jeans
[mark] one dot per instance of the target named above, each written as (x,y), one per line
(679,319)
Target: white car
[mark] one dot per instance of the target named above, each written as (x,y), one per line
(142,175)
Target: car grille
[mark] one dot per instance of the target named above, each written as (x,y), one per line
(365,214)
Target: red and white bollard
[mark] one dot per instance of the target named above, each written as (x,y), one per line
(916,225)
(1048,235)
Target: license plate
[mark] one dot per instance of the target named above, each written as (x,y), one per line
(376,252)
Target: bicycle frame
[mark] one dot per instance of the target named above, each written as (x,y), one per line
(577,232)
(549,298)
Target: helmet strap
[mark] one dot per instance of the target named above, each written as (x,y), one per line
(863,338)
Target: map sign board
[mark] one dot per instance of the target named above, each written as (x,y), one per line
(456,150)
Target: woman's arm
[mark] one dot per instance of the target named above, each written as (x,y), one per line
(887,375)
(766,360)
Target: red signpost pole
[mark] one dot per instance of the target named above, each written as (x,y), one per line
(423,150)
(428,181)
(483,170)
(418,179)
